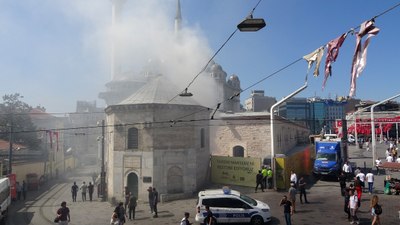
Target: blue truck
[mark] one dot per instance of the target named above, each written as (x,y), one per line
(328,159)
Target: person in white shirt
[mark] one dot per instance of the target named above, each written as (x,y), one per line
(389,158)
(293,178)
(398,159)
(378,163)
(185,220)
(370,180)
(347,170)
(353,205)
(361,175)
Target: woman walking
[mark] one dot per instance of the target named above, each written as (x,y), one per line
(376,210)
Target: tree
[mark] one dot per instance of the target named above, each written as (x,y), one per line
(14,114)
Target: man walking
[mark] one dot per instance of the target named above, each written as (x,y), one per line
(132,207)
(151,199)
(269,178)
(292,196)
(74,191)
(185,220)
(24,189)
(353,206)
(259,181)
(155,194)
(264,177)
(370,180)
(90,189)
(302,187)
(63,214)
(84,189)
(342,182)
(293,178)
(287,209)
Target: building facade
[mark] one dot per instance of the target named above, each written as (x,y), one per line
(146,148)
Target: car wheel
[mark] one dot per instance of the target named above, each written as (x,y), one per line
(257,220)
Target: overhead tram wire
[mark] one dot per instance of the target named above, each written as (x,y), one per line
(294,62)
(263,79)
(205,67)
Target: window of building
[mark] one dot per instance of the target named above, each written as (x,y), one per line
(133,139)
(238,151)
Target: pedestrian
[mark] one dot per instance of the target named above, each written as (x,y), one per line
(120,211)
(19,190)
(292,196)
(90,189)
(155,202)
(293,178)
(127,196)
(63,214)
(74,191)
(361,175)
(389,158)
(269,178)
(287,209)
(370,180)
(376,210)
(259,181)
(264,176)
(84,189)
(151,199)
(346,203)
(378,163)
(302,187)
(209,217)
(353,206)
(347,170)
(24,189)
(185,220)
(358,187)
(132,206)
(342,182)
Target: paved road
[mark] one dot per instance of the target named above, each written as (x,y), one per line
(326,203)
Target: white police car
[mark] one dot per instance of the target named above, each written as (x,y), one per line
(229,206)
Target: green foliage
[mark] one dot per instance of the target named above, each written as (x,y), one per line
(14,114)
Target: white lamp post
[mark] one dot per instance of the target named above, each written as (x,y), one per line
(273,167)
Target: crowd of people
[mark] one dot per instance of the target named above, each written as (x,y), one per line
(352,194)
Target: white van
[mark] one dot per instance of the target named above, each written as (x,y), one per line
(229,206)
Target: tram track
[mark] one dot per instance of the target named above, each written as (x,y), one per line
(45,197)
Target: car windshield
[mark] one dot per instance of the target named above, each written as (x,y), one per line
(248,200)
(326,156)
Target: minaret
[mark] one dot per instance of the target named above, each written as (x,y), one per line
(178,18)
(115,16)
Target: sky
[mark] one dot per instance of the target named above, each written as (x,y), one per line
(57,52)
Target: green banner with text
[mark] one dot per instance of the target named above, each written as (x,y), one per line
(234,170)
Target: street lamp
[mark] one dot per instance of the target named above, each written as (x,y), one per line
(102,172)
(273,167)
(373,126)
(251,24)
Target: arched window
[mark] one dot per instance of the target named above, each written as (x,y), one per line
(238,151)
(133,140)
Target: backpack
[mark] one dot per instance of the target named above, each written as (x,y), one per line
(378,209)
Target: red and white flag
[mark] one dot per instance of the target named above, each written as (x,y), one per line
(360,53)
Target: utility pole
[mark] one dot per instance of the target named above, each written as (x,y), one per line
(102,175)
(10,150)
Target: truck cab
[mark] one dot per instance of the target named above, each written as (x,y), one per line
(328,159)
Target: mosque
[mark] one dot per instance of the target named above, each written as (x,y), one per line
(157,138)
